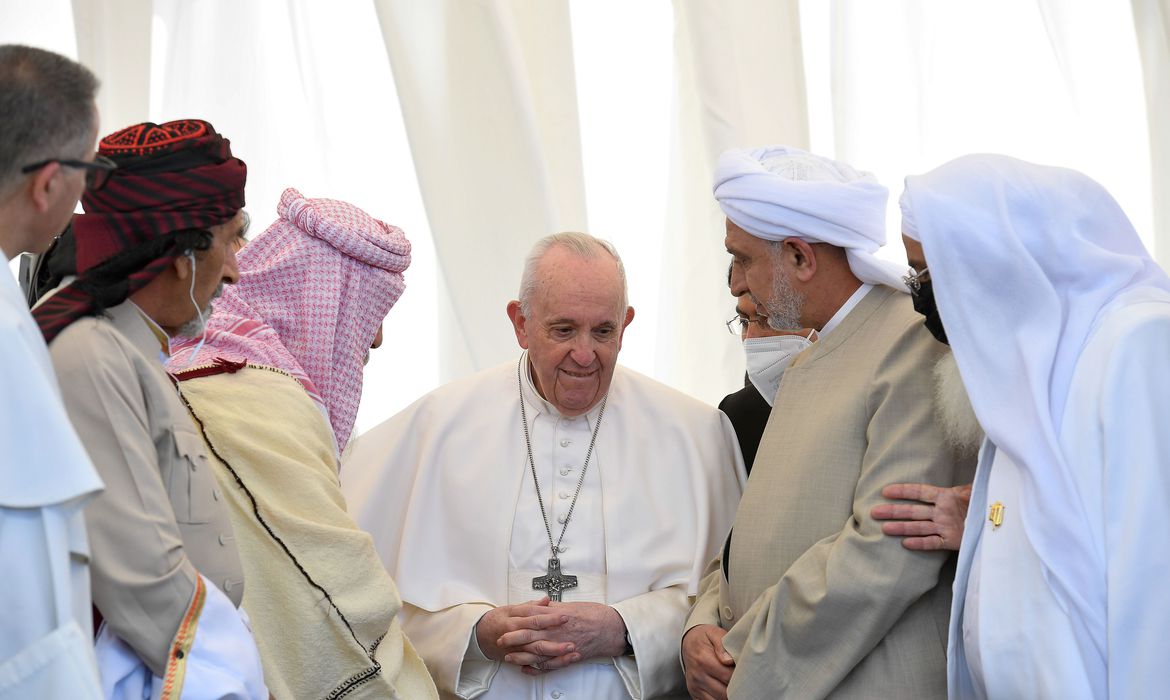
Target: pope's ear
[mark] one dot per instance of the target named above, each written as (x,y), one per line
(519,322)
(625,324)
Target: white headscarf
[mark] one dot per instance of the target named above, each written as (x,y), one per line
(1025,260)
(909,225)
(779,192)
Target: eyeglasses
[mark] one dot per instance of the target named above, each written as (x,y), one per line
(914,280)
(738,325)
(97,171)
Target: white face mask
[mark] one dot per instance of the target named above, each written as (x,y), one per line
(767,358)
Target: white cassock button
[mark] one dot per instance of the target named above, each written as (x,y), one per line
(215,494)
(222,541)
(727,612)
(556,694)
(566,443)
(564,495)
(561,519)
(565,471)
(227,586)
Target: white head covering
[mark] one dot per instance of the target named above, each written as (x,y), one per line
(1025,260)
(909,225)
(779,192)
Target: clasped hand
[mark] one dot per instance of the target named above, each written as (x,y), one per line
(541,635)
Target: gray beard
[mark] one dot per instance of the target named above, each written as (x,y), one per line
(195,327)
(961,429)
(784,305)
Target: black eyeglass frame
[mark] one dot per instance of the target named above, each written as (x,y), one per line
(738,325)
(97,171)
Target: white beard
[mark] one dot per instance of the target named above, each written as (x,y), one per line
(961,428)
(785,304)
(195,327)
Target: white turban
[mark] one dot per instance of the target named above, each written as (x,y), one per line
(909,227)
(778,192)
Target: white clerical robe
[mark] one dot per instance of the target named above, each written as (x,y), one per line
(46,478)
(1011,633)
(446,490)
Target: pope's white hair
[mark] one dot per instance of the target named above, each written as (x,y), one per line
(582,245)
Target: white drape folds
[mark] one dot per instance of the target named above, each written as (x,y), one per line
(303,90)
(113,40)
(1151,19)
(489,101)
(739,83)
(916,83)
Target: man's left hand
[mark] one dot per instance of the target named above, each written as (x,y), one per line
(595,629)
(936,522)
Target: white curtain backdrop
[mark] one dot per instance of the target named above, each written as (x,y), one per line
(114,40)
(510,119)
(915,83)
(739,83)
(488,97)
(1151,20)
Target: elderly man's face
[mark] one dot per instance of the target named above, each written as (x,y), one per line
(575,331)
(217,265)
(214,268)
(755,272)
(756,325)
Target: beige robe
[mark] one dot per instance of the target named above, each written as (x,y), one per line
(160,522)
(817,601)
(330,628)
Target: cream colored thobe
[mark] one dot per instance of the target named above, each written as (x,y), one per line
(324,611)
(160,523)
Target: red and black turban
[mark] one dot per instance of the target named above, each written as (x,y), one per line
(171,177)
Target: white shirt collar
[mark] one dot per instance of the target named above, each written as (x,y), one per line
(842,312)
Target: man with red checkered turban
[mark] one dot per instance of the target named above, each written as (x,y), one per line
(140,267)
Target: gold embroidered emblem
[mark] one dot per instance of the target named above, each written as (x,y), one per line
(995,515)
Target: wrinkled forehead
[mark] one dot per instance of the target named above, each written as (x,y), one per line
(568,280)
(580,304)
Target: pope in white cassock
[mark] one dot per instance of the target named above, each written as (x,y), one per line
(1060,324)
(561,476)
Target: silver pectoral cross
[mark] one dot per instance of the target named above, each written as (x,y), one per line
(554,582)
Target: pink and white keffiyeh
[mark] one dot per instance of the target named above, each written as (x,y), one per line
(313,290)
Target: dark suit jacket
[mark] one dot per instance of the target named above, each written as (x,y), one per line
(748,412)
